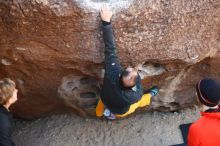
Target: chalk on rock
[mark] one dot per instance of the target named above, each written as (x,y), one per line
(6,62)
(95,5)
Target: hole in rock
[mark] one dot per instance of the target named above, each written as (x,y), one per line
(163,108)
(175,104)
(84,81)
(87,81)
(151,69)
(157,65)
(74,88)
(70,84)
(88,95)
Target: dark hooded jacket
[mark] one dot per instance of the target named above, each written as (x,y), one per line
(114,96)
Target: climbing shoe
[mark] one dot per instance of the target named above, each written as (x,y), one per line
(153,91)
(108,114)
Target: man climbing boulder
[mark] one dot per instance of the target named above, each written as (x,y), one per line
(122,92)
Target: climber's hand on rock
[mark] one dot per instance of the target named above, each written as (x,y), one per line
(106,13)
(139,67)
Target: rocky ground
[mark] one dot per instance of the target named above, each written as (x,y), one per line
(148,129)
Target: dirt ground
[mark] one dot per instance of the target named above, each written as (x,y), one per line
(148,129)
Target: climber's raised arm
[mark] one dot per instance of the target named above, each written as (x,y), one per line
(112,65)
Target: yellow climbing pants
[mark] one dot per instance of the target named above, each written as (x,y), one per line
(145,100)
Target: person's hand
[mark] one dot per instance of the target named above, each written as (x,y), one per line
(139,67)
(106,13)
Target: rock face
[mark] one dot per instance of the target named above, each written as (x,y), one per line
(54,50)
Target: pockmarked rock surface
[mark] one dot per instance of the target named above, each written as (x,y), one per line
(54,50)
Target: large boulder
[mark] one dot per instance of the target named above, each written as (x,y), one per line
(53,49)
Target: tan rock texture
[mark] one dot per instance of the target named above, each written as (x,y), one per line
(53,49)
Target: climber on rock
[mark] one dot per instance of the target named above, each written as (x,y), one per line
(8,96)
(122,92)
(205,131)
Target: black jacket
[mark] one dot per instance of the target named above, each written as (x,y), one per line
(5,127)
(113,95)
